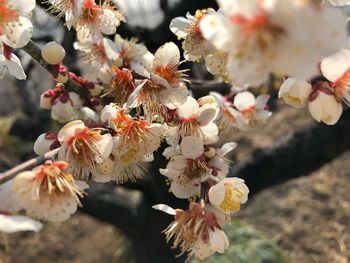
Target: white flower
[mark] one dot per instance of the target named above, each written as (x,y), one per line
(14,223)
(15,27)
(48,192)
(323,106)
(252,111)
(194,45)
(187,170)
(295,92)
(163,66)
(70,9)
(96,20)
(283,37)
(228,195)
(83,148)
(195,231)
(11,63)
(196,120)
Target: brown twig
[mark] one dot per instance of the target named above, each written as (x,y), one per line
(34,51)
(10,174)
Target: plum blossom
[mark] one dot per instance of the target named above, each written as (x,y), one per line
(228,195)
(48,192)
(95,20)
(251,110)
(194,163)
(83,148)
(194,44)
(196,118)
(134,142)
(195,231)
(263,37)
(163,66)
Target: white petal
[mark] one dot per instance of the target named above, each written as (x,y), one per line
(244,100)
(261,101)
(189,108)
(184,192)
(70,129)
(334,66)
(168,55)
(132,99)
(15,68)
(165,208)
(10,224)
(226,148)
(179,25)
(19,33)
(192,147)
(207,113)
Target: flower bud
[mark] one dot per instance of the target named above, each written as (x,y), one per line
(295,92)
(61,74)
(53,53)
(46,142)
(46,99)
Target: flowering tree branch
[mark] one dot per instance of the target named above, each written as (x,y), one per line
(34,51)
(10,174)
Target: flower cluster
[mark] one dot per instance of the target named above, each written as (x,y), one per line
(15,32)
(131,100)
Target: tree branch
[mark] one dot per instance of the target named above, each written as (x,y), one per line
(34,51)
(10,174)
(295,155)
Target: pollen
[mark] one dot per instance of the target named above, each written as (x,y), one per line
(228,204)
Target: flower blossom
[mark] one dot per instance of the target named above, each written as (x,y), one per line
(83,148)
(195,231)
(196,118)
(48,192)
(272,36)
(194,163)
(228,195)
(134,142)
(251,110)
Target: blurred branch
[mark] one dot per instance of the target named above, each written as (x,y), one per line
(34,51)
(10,174)
(295,155)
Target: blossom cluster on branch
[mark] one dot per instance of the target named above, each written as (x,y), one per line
(135,100)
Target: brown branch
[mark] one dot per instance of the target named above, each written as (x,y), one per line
(34,51)
(10,174)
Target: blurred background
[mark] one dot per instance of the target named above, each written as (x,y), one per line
(297,170)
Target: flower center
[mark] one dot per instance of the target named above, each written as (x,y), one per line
(194,172)
(231,194)
(167,73)
(91,13)
(7,15)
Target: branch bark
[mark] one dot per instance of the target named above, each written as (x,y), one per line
(295,155)
(10,174)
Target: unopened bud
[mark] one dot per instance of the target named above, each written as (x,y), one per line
(46,99)
(53,53)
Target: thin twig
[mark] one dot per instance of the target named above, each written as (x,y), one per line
(34,51)
(10,174)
